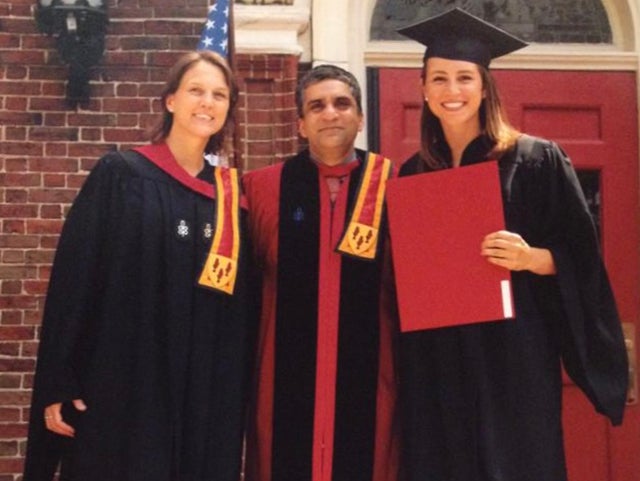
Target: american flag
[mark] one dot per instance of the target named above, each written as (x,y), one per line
(215,33)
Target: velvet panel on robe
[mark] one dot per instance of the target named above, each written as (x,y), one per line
(325,386)
(483,402)
(161,363)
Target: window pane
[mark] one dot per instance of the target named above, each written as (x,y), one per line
(541,21)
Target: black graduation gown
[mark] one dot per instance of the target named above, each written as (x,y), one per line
(483,402)
(160,362)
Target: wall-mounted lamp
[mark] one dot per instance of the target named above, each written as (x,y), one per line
(79,28)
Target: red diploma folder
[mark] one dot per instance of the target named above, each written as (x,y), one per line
(437,221)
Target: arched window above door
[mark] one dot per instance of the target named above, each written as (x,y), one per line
(539,21)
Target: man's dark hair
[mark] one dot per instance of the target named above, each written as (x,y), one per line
(327,72)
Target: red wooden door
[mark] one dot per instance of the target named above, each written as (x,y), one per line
(593,116)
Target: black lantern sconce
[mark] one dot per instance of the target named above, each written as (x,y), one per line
(79,27)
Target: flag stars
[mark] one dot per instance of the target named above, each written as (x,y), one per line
(215,32)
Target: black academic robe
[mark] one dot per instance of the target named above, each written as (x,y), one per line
(483,402)
(160,362)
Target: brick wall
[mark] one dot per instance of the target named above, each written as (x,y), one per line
(46,150)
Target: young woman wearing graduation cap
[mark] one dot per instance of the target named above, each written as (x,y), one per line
(482,402)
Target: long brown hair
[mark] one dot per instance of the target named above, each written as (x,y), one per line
(222,141)
(493,123)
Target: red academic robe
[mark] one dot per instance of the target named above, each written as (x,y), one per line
(325,388)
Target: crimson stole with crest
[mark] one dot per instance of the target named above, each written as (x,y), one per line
(296,333)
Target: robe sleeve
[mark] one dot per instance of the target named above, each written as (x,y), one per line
(591,339)
(74,287)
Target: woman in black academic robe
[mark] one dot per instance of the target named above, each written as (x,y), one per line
(482,402)
(143,359)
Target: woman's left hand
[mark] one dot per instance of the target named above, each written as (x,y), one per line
(509,250)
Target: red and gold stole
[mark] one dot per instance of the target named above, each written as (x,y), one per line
(361,236)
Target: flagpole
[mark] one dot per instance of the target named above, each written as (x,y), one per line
(237,157)
(232,37)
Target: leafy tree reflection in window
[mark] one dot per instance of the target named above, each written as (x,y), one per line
(542,21)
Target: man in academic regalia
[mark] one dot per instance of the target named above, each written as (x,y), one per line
(325,391)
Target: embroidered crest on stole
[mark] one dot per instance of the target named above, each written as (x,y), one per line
(361,236)
(221,267)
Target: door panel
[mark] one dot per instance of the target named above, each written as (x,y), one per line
(593,116)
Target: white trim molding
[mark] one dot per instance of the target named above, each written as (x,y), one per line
(273,28)
(533,57)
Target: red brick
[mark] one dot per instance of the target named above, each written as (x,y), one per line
(16,195)
(55,150)
(127,105)
(21,148)
(13,256)
(55,119)
(54,180)
(37,287)
(10,381)
(147,42)
(11,287)
(20,118)
(13,227)
(8,448)
(50,134)
(10,318)
(92,120)
(125,58)
(29,349)
(124,135)
(17,333)
(16,302)
(18,241)
(129,120)
(129,74)
(14,365)
(9,414)
(50,211)
(48,104)
(93,150)
(164,27)
(15,165)
(10,465)
(76,181)
(21,179)
(54,165)
(12,431)
(33,317)
(47,226)
(16,104)
(21,57)
(18,211)
(54,89)
(16,133)
(124,11)
(9,41)
(101,90)
(8,348)
(20,88)
(16,72)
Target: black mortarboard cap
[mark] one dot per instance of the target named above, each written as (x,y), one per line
(458,35)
